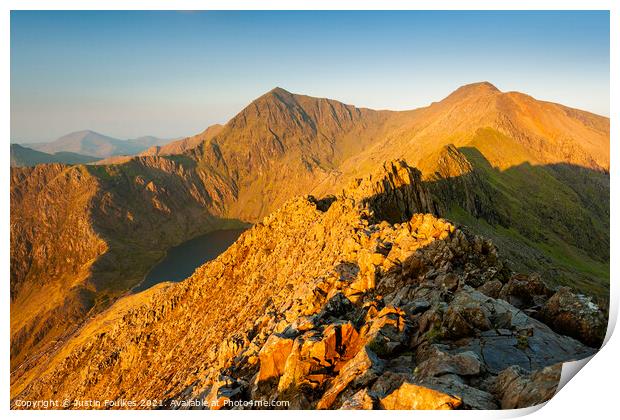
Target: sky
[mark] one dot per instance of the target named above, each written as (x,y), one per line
(171,74)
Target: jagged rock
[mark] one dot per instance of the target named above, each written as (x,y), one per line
(471,398)
(304,364)
(387,332)
(440,363)
(455,325)
(491,288)
(313,354)
(415,397)
(516,388)
(225,389)
(395,197)
(358,401)
(576,316)
(525,291)
(272,358)
(357,372)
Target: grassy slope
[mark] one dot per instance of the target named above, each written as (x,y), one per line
(545,224)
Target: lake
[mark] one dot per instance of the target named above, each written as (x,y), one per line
(181,261)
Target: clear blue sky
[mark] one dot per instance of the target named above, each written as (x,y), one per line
(172,74)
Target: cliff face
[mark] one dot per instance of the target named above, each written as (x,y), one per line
(325,305)
(82,236)
(281,137)
(53,244)
(393,193)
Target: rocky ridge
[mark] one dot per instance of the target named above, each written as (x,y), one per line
(327,305)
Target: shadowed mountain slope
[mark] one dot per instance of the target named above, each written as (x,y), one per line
(94,231)
(553,218)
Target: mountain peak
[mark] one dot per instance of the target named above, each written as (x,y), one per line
(82,135)
(475,89)
(480,87)
(279,94)
(279,90)
(77,133)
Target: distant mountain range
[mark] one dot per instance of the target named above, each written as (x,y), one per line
(25,156)
(531,175)
(174,147)
(89,143)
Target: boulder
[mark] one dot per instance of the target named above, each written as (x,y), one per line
(359,371)
(525,291)
(491,288)
(386,332)
(515,388)
(416,397)
(358,401)
(314,355)
(463,364)
(471,398)
(576,316)
(272,357)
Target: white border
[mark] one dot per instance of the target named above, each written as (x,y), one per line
(591,395)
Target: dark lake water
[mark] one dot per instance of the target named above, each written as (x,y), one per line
(181,261)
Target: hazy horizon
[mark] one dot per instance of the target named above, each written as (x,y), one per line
(172,74)
(26,143)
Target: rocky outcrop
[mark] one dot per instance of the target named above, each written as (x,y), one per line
(415,397)
(575,315)
(393,193)
(516,388)
(361,313)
